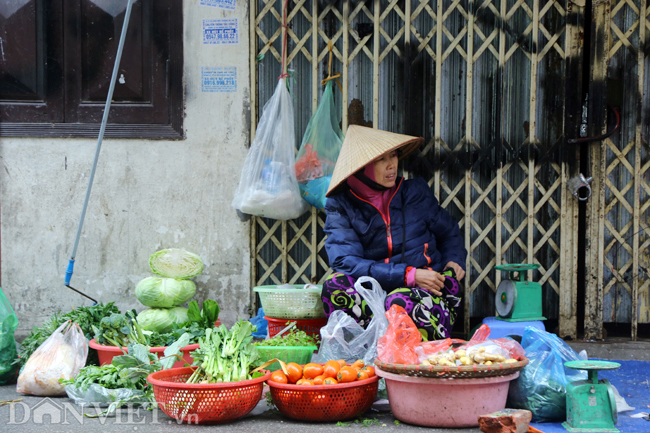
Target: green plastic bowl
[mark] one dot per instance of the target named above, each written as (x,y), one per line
(298,354)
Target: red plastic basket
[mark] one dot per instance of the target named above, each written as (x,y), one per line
(310,326)
(324,402)
(204,403)
(107,353)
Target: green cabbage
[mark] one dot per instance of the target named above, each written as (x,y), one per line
(176,263)
(164,292)
(161,320)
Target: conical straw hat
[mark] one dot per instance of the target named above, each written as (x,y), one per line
(363,145)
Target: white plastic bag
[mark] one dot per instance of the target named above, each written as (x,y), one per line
(96,394)
(268,185)
(61,356)
(344,338)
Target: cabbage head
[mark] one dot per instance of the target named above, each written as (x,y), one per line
(176,263)
(164,292)
(161,320)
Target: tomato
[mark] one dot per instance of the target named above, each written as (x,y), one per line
(362,375)
(369,369)
(318,380)
(358,364)
(295,372)
(331,368)
(329,381)
(279,377)
(312,370)
(341,362)
(304,382)
(346,374)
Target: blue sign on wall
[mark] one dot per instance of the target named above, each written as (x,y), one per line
(218,79)
(223,4)
(221,31)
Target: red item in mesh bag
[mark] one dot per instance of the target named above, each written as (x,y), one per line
(397,345)
(308,166)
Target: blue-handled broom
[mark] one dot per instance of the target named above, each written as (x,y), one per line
(107,107)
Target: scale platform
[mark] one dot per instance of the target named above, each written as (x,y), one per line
(590,404)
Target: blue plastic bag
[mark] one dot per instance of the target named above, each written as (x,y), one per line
(541,386)
(261,323)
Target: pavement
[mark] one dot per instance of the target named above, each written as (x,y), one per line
(58,414)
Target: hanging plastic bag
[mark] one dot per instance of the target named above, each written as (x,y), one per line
(320,147)
(268,185)
(344,338)
(541,386)
(8,355)
(61,356)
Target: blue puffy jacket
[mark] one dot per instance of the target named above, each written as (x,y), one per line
(360,242)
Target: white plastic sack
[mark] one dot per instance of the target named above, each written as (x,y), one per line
(61,356)
(103,397)
(344,338)
(268,185)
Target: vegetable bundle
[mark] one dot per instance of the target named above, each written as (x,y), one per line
(225,356)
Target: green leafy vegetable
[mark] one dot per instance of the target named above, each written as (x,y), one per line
(293,337)
(176,263)
(129,371)
(86,317)
(225,356)
(120,330)
(205,317)
(164,292)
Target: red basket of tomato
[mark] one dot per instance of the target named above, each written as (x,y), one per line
(332,391)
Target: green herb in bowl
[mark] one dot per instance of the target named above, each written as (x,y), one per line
(293,337)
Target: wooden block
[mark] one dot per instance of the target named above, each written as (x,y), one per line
(505,421)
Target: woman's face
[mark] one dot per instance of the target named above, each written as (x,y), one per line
(386,169)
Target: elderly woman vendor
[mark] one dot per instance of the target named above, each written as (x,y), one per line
(393,230)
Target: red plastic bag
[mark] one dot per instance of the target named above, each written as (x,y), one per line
(397,345)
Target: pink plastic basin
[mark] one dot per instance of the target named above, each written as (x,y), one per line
(444,402)
(106,353)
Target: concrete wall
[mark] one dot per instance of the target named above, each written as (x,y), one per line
(147,195)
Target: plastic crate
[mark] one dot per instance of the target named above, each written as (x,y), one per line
(295,303)
(204,403)
(298,354)
(310,326)
(328,403)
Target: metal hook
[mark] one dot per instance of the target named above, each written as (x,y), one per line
(576,183)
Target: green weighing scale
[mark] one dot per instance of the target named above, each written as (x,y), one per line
(518,300)
(590,404)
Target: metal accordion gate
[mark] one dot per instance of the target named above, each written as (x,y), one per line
(495,88)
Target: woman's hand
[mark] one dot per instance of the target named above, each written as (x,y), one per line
(430,281)
(457,269)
